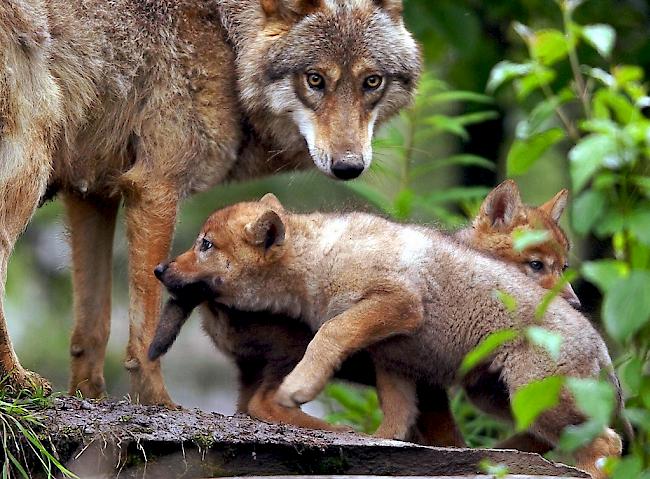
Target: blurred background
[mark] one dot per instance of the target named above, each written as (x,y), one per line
(432,165)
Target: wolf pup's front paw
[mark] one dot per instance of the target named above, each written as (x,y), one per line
(294,391)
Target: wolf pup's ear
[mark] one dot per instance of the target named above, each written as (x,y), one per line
(173,316)
(272,201)
(267,230)
(394,8)
(555,206)
(289,9)
(501,206)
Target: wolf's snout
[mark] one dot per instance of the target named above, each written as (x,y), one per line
(348,167)
(160,270)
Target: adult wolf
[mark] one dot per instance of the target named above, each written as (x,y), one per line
(147,101)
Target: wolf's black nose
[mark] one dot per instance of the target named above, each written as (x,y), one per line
(345,170)
(160,270)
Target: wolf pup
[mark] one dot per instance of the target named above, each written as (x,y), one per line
(359,280)
(266,347)
(146,102)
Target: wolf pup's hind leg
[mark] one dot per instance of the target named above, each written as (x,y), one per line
(398,402)
(92,224)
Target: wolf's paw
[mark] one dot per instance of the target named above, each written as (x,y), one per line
(293,392)
(24,380)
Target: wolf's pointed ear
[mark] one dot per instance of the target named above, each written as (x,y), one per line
(501,206)
(394,8)
(555,206)
(289,9)
(267,230)
(272,201)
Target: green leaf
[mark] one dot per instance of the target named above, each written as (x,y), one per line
(456,160)
(639,224)
(527,84)
(568,276)
(506,71)
(454,96)
(523,239)
(524,153)
(548,46)
(605,273)
(637,416)
(630,374)
(549,340)
(486,347)
(538,119)
(587,209)
(403,204)
(588,156)
(451,195)
(533,399)
(625,74)
(507,300)
(371,195)
(574,437)
(595,398)
(600,36)
(627,305)
(447,124)
(628,468)
(498,471)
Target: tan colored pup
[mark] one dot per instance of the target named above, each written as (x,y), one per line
(358,279)
(266,347)
(144,102)
(503,213)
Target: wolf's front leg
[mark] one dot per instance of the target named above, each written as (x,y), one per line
(151,206)
(375,318)
(19,195)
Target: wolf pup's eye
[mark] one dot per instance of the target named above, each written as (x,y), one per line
(315,81)
(205,245)
(372,82)
(536,265)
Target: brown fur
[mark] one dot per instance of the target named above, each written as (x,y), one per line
(413,288)
(266,347)
(503,213)
(150,101)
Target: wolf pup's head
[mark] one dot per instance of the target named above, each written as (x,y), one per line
(502,214)
(329,72)
(235,260)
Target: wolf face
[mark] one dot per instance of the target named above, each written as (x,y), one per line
(503,213)
(332,71)
(236,248)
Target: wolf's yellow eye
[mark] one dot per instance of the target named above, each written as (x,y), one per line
(316,81)
(372,82)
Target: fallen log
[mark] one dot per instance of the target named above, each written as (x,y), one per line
(107,438)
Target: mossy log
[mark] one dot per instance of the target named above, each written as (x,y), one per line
(107,438)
